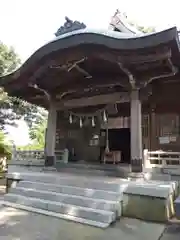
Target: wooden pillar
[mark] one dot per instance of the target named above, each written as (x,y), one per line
(50,136)
(153,137)
(136,132)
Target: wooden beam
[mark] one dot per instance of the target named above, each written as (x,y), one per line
(116,97)
(96,82)
(138,58)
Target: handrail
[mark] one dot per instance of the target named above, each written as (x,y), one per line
(163,152)
(34,157)
(161,159)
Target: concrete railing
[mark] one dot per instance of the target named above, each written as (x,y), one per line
(36,157)
(62,156)
(161,159)
(28,155)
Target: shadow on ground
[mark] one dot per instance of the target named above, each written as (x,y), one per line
(172,232)
(21,225)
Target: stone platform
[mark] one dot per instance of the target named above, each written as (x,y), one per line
(96,201)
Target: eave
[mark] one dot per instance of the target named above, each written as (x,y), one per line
(117,50)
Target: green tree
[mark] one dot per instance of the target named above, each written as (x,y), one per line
(12,108)
(5,149)
(37,136)
(37,133)
(142,28)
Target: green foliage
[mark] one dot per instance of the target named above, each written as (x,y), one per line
(37,133)
(31,146)
(9,60)
(143,29)
(12,108)
(5,149)
(146,30)
(37,136)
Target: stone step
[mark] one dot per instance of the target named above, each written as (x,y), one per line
(93,172)
(62,208)
(84,192)
(114,206)
(54,214)
(78,181)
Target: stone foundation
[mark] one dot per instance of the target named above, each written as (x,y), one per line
(148,208)
(49,161)
(11,183)
(148,200)
(136,165)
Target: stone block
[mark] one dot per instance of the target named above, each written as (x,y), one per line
(76,181)
(172,171)
(32,202)
(148,201)
(11,183)
(77,191)
(64,209)
(86,213)
(149,189)
(114,206)
(147,208)
(177,207)
(56,215)
(174,185)
(157,176)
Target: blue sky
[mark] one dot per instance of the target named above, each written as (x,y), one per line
(28,24)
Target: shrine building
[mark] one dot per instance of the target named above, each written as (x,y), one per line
(109,93)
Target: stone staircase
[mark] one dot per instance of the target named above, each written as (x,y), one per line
(96,202)
(81,168)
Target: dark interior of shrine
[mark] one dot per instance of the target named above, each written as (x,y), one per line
(119,140)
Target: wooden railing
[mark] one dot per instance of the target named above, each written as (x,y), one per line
(161,159)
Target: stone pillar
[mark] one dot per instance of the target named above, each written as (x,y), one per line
(136,132)
(50,136)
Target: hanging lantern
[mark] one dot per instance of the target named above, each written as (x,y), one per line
(104,116)
(80,122)
(70,119)
(93,122)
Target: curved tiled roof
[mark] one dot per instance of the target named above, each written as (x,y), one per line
(111,39)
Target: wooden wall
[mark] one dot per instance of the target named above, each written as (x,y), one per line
(79,141)
(160,126)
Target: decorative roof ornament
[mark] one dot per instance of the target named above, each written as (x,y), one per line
(119,22)
(69,26)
